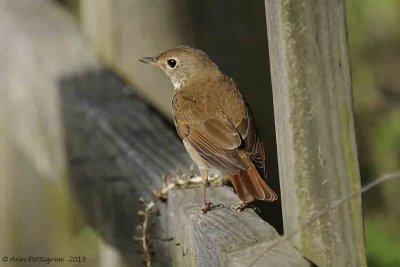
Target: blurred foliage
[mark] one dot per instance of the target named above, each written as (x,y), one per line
(385,248)
(374,38)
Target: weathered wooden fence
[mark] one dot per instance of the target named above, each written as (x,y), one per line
(315,130)
(118,146)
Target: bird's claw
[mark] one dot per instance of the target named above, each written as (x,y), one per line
(206,207)
(240,207)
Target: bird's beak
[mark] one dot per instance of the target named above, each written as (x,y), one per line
(148,60)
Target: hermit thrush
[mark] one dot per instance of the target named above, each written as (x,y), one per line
(215,123)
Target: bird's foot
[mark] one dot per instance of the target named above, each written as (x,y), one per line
(241,206)
(206,207)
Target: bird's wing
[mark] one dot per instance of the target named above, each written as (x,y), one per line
(239,114)
(217,136)
(252,143)
(208,136)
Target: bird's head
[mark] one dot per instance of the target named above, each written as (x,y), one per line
(183,64)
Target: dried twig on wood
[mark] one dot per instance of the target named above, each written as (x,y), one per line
(144,228)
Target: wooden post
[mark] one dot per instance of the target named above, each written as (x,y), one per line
(315,131)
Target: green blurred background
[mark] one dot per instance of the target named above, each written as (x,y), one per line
(374,39)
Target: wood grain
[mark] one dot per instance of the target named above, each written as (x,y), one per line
(223,236)
(315,129)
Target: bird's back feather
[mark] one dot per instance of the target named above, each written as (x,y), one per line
(219,132)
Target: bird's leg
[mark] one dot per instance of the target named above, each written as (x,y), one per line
(206,205)
(241,206)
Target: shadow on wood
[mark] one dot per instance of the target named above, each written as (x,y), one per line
(118,148)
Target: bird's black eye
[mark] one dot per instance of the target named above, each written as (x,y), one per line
(171,63)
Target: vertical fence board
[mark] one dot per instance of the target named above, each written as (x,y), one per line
(96,17)
(315,131)
(39,44)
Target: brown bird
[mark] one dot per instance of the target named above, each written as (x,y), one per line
(215,123)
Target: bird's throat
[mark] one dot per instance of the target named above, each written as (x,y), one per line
(178,82)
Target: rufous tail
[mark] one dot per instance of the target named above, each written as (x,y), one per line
(249,186)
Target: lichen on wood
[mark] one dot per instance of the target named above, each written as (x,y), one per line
(315,132)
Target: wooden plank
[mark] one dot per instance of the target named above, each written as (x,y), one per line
(25,87)
(315,128)
(97,20)
(223,237)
